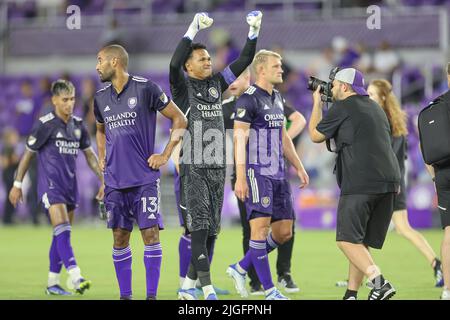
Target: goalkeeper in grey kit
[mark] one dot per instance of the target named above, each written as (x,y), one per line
(202,171)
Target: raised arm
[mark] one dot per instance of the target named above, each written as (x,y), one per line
(316,117)
(15,194)
(248,52)
(176,75)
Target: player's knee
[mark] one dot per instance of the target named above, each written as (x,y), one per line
(286,236)
(121,238)
(259,233)
(120,242)
(151,235)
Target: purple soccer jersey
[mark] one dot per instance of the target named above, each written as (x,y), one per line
(57,145)
(265,114)
(130,123)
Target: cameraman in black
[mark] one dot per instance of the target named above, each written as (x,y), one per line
(441,178)
(367,173)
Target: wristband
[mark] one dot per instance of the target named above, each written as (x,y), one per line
(17,184)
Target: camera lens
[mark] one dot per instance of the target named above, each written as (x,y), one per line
(314,82)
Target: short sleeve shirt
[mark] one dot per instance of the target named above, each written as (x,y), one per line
(366,162)
(130,126)
(57,144)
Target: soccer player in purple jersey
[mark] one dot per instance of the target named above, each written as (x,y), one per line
(202,158)
(260,141)
(125,112)
(57,139)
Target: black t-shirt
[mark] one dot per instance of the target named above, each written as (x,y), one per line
(366,162)
(399,145)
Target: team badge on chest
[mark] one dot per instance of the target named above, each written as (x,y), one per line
(213,92)
(77,133)
(132,102)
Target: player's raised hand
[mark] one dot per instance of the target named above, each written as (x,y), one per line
(15,196)
(304,178)
(201,21)
(157,160)
(254,21)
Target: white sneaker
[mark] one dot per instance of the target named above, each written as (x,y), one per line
(239,280)
(275,294)
(445,294)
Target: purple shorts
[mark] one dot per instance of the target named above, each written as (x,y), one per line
(53,197)
(176,183)
(268,197)
(140,204)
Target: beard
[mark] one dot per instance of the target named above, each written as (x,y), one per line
(106,77)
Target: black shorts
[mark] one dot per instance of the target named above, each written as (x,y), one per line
(442,180)
(364,218)
(400,199)
(201,198)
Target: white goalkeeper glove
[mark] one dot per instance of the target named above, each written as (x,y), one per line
(254,21)
(201,21)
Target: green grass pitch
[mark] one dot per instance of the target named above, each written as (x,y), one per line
(316,265)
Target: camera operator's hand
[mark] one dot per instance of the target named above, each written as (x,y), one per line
(317,96)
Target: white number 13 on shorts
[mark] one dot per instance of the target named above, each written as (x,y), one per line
(152,204)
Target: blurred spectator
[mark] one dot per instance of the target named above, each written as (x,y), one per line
(225,49)
(27,109)
(45,97)
(112,34)
(9,160)
(345,55)
(321,66)
(364,63)
(88,89)
(385,60)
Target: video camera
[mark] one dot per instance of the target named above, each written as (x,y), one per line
(325,87)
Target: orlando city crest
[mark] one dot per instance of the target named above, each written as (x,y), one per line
(132,102)
(213,92)
(265,201)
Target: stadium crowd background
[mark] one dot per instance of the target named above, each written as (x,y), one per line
(36,47)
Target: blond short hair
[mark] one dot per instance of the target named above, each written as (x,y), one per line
(262,56)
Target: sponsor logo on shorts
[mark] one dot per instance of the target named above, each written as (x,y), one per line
(265,201)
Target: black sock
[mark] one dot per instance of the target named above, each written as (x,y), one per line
(350,293)
(378,281)
(199,256)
